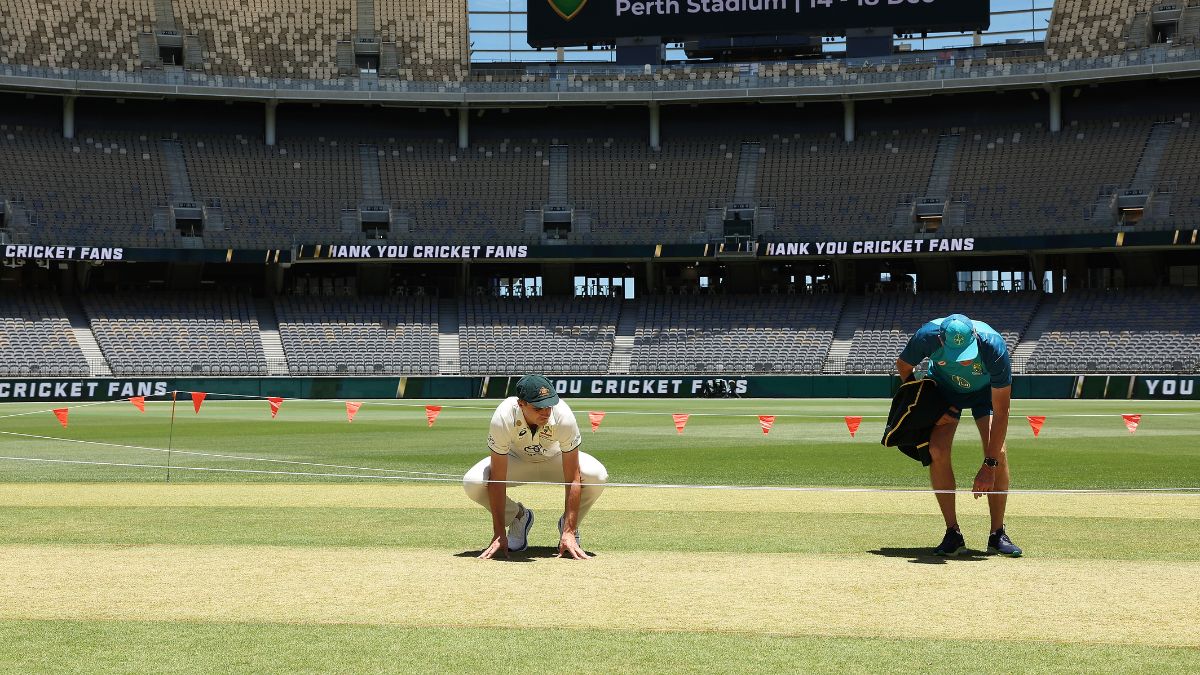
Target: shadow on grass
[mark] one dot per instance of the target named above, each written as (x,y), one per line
(925,556)
(528,555)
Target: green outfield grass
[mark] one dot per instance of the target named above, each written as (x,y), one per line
(116,569)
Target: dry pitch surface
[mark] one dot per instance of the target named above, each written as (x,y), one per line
(1112,600)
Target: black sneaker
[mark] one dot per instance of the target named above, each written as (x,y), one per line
(1000,543)
(952,543)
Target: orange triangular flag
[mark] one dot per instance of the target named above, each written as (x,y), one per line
(139,402)
(352,410)
(766,422)
(595,417)
(61,414)
(275,402)
(197,399)
(680,421)
(1035,423)
(852,424)
(1131,422)
(431,413)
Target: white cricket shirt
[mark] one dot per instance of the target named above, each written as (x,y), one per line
(510,435)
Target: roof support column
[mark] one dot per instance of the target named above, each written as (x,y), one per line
(271,108)
(848,119)
(68,117)
(464,128)
(1056,109)
(655,127)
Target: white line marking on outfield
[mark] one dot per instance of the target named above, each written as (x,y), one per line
(1182,491)
(219,456)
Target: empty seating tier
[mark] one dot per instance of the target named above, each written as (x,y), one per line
(891,319)
(1132,331)
(176,334)
(359,336)
(736,333)
(36,338)
(549,335)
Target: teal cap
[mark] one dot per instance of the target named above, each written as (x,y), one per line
(537,391)
(959,342)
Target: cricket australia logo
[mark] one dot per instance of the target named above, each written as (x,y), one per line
(534,451)
(567,9)
(960,340)
(977,368)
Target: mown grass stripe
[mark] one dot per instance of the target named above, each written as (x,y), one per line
(459,530)
(1172,506)
(1059,600)
(149,647)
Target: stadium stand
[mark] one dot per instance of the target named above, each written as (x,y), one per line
(274,196)
(172,334)
(288,38)
(635,193)
(1007,180)
(98,189)
(79,34)
(36,338)
(1181,171)
(551,335)
(891,319)
(431,37)
(734,333)
(1131,331)
(823,187)
(359,336)
(464,196)
(1090,28)
(1012,181)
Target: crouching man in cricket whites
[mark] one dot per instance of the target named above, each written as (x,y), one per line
(534,438)
(973,369)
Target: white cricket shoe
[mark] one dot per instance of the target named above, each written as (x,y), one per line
(561,520)
(518,532)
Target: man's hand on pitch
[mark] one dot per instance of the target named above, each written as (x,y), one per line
(985,480)
(499,545)
(568,546)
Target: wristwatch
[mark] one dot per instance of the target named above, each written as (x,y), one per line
(991,461)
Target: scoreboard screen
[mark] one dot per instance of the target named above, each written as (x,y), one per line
(562,23)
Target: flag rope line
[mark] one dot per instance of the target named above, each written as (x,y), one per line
(391,404)
(1180,491)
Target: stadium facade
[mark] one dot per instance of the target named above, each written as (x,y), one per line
(326,189)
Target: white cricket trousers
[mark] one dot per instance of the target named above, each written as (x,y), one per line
(592,475)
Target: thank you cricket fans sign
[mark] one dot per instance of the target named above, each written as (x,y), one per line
(555,23)
(79,390)
(1166,387)
(649,387)
(867,247)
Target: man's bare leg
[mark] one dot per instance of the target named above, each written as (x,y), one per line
(997,504)
(941,471)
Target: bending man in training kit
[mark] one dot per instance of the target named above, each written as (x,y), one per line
(973,369)
(534,438)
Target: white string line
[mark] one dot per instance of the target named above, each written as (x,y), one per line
(1181,491)
(220,456)
(50,410)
